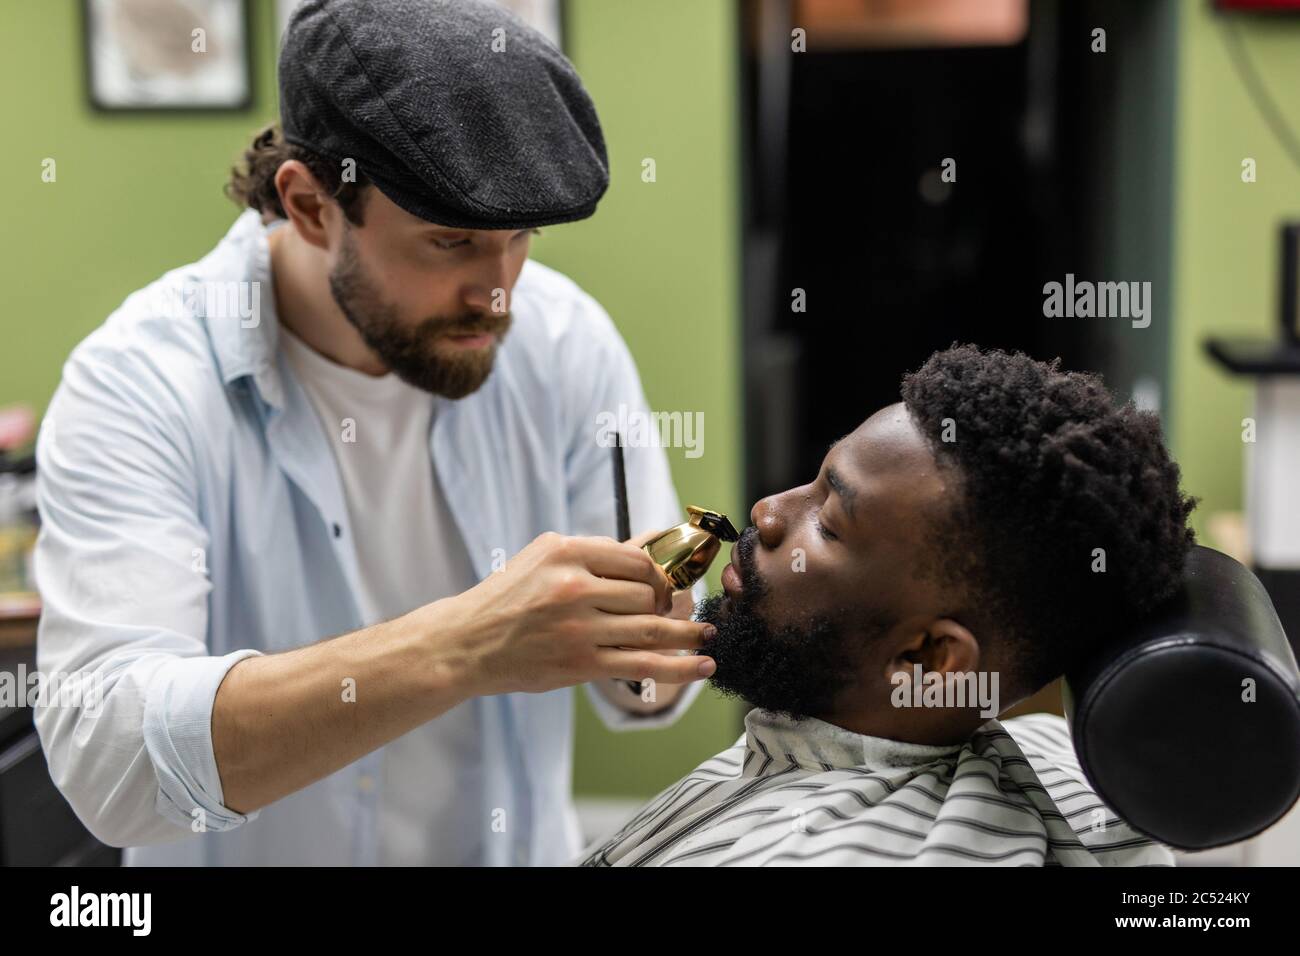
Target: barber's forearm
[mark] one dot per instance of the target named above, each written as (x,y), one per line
(281,722)
(563,611)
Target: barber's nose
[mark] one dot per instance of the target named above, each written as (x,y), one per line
(490,291)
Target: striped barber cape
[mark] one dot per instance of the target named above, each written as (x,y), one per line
(808,793)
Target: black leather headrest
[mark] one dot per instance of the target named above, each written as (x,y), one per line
(1163,720)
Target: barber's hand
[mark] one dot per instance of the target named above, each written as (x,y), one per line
(565,611)
(683,602)
(632,696)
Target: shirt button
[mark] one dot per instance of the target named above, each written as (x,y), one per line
(365,783)
(338,531)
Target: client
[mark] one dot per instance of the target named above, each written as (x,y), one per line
(1000,523)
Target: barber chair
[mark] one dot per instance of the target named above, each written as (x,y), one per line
(1189,726)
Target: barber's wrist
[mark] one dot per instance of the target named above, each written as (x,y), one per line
(449,663)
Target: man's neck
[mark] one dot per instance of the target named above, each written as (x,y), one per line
(937,728)
(304,304)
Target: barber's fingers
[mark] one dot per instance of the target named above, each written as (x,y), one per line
(647,665)
(607,558)
(624,597)
(644,537)
(653,632)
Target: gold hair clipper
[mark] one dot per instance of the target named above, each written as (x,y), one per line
(685,552)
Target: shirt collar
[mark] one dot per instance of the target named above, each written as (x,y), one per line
(247,347)
(818,746)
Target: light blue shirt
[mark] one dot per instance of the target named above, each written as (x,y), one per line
(192,516)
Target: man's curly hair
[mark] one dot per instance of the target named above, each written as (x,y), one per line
(1048,469)
(252,183)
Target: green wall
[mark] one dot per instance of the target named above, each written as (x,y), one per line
(1225,233)
(138,194)
(663,258)
(135,194)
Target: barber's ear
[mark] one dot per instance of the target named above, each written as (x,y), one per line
(945,645)
(304,202)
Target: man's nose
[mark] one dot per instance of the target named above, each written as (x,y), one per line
(767,518)
(490,289)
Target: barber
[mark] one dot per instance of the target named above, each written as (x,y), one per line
(302,533)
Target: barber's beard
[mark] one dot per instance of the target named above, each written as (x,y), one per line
(417,353)
(800,670)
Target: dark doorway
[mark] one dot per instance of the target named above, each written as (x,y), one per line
(844,200)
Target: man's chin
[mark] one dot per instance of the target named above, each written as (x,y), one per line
(452,372)
(722,610)
(715,608)
(796,670)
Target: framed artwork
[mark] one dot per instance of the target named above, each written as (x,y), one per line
(168,54)
(866,24)
(283,11)
(544,16)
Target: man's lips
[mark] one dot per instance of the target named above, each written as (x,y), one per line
(475,340)
(732,580)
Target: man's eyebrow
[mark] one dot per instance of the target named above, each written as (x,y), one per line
(846,493)
(831,447)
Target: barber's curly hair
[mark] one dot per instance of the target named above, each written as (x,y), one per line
(253,183)
(1048,468)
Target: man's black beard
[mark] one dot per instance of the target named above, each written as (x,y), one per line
(800,670)
(411,351)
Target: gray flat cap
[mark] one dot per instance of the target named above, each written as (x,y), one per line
(446,126)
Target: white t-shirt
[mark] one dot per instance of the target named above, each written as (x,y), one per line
(409,552)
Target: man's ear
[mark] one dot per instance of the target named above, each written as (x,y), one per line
(304,202)
(945,645)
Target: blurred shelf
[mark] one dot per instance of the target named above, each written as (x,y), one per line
(18,625)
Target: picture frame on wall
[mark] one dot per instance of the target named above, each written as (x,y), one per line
(544,16)
(147,55)
(283,11)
